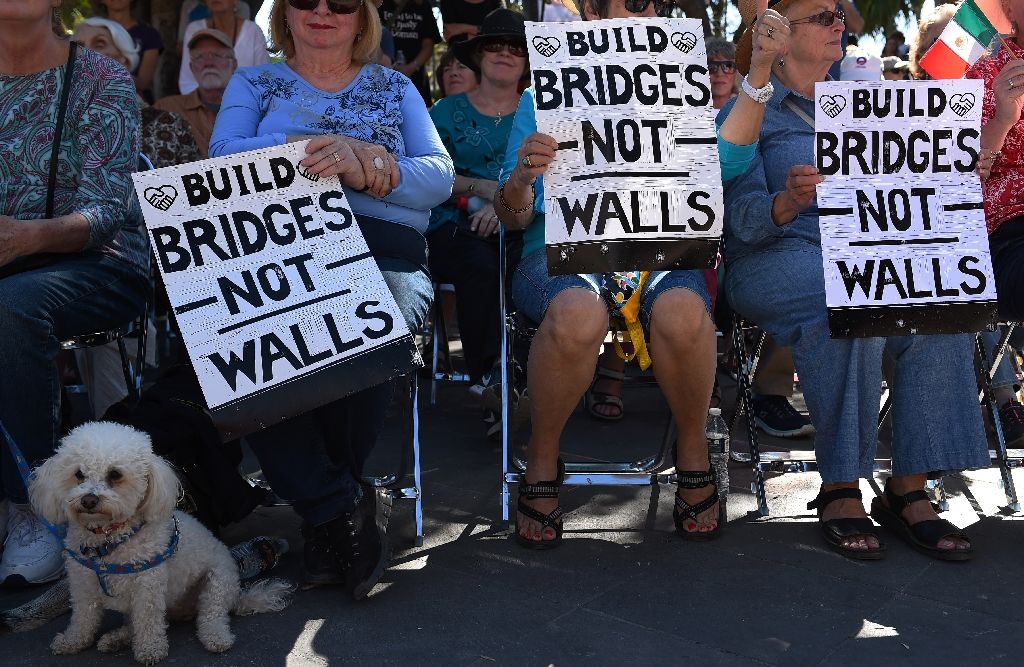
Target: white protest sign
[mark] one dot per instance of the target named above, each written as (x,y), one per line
(636,183)
(281,305)
(903,237)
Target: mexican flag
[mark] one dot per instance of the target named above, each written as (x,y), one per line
(964,40)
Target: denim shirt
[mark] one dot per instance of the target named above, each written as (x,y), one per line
(786,140)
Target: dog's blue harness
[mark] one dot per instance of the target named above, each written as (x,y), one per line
(102,570)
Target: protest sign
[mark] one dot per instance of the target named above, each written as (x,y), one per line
(636,183)
(903,237)
(280,304)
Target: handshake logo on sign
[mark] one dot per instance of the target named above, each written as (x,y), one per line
(684,41)
(546,46)
(832,105)
(961,104)
(161,198)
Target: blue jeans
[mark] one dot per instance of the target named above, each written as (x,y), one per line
(316,459)
(533,289)
(936,420)
(39,308)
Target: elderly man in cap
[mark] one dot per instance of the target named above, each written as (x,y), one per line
(212,63)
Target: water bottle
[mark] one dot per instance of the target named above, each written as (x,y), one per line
(258,555)
(717,433)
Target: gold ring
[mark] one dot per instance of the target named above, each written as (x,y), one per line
(526,162)
(336,158)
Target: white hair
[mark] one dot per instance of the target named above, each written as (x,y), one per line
(122,40)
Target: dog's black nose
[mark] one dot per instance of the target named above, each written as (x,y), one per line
(89,501)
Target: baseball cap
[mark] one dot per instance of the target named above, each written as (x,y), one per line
(860,66)
(212,34)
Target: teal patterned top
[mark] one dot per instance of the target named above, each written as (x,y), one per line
(475,142)
(98,153)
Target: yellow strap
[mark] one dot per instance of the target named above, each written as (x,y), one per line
(630,313)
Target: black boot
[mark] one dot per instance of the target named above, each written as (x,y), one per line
(322,562)
(365,547)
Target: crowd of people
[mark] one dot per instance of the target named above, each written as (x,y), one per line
(430,179)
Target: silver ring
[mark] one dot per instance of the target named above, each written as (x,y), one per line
(336,158)
(771,31)
(378,163)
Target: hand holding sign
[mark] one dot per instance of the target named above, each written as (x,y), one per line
(801,188)
(535,154)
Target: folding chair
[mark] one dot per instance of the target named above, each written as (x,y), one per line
(439,343)
(645,472)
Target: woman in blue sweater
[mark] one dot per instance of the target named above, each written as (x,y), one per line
(367,125)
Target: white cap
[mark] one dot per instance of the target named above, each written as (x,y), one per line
(861,66)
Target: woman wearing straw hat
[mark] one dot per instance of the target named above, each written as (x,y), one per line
(775,278)
(574,321)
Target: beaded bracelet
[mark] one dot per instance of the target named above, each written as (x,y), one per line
(507,207)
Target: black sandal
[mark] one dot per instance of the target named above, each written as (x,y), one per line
(699,479)
(548,489)
(838,530)
(923,535)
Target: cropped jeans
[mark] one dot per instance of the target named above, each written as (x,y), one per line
(936,419)
(316,459)
(39,308)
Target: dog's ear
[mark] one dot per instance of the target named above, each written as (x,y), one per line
(46,489)
(161,492)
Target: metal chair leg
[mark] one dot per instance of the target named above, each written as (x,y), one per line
(993,412)
(436,332)
(743,382)
(416,469)
(506,375)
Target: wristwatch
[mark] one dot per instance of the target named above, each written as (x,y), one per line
(759,95)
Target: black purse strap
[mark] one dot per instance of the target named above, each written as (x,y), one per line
(65,92)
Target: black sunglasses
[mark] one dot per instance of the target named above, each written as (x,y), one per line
(825,18)
(723,66)
(499,44)
(640,6)
(335,6)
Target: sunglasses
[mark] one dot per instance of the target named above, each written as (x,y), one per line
(334,6)
(515,47)
(723,66)
(825,18)
(640,6)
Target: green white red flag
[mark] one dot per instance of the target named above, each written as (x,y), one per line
(963,41)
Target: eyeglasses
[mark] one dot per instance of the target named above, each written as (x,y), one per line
(212,57)
(334,6)
(723,66)
(515,47)
(825,18)
(640,6)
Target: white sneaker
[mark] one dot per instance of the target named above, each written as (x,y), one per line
(32,555)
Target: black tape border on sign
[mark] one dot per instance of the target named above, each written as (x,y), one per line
(933,318)
(316,388)
(632,254)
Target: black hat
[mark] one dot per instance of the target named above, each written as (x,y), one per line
(499,23)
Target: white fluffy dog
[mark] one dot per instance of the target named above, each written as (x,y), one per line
(117,498)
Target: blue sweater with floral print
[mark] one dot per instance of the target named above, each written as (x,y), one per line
(265,104)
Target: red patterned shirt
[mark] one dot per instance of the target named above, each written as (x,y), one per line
(1004,196)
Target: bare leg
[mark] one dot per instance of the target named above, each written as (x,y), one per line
(562,360)
(610,361)
(683,351)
